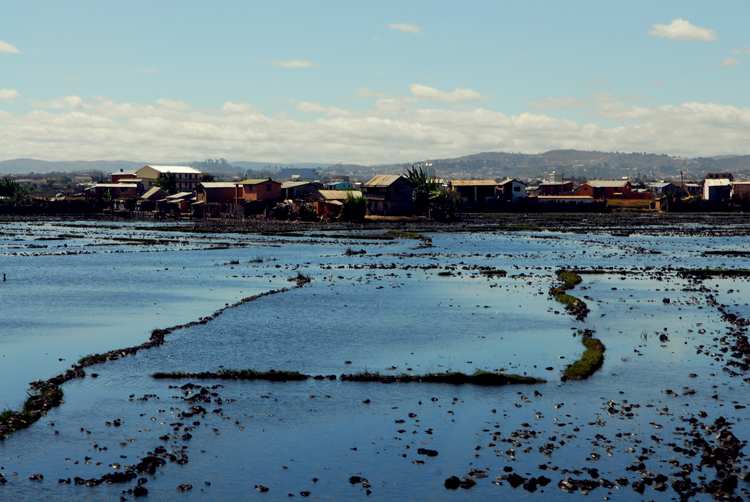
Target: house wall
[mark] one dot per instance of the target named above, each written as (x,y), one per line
(514,191)
(265,191)
(741,190)
(393,200)
(116,177)
(184,182)
(220,195)
(477,193)
(555,189)
(715,192)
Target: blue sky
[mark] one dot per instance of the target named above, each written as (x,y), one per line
(370,82)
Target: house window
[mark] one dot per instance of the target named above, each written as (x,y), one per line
(516,189)
(269,188)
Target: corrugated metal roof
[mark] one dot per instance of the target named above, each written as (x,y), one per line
(471,183)
(218,184)
(115,185)
(717,183)
(180,195)
(152,192)
(505,182)
(607,183)
(383,180)
(293,184)
(256,181)
(174,169)
(338,194)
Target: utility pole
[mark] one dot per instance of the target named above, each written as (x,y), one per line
(682,179)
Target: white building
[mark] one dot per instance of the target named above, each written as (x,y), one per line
(186,177)
(717,189)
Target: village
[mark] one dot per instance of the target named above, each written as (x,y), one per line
(303,194)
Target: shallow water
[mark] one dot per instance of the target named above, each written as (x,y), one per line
(386,309)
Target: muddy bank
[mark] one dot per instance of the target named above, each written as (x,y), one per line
(617,224)
(47,394)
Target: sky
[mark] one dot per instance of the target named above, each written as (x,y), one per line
(370,82)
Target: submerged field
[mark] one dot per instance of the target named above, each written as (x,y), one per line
(440,347)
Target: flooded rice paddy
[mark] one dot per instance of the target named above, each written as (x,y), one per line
(664,418)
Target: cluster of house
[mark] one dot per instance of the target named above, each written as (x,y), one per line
(386,195)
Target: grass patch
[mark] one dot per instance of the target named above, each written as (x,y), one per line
(351,252)
(715,272)
(300,278)
(569,278)
(591,360)
(496,271)
(37,405)
(230,374)
(93,357)
(456,378)
(574,306)
(568,300)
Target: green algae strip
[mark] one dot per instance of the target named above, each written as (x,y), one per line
(591,360)
(234,375)
(570,279)
(573,305)
(478,378)
(456,378)
(37,405)
(713,272)
(496,271)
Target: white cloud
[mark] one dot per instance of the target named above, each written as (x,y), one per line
(238,108)
(295,64)
(306,107)
(147,70)
(390,131)
(8,49)
(366,92)
(424,93)
(65,102)
(728,62)
(557,103)
(407,28)
(680,29)
(636,98)
(8,95)
(172,105)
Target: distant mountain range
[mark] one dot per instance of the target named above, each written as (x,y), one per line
(572,163)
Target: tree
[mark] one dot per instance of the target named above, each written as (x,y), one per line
(431,198)
(354,208)
(15,192)
(167,182)
(425,187)
(206,177)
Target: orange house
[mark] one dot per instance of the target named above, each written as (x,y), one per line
(261,190)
